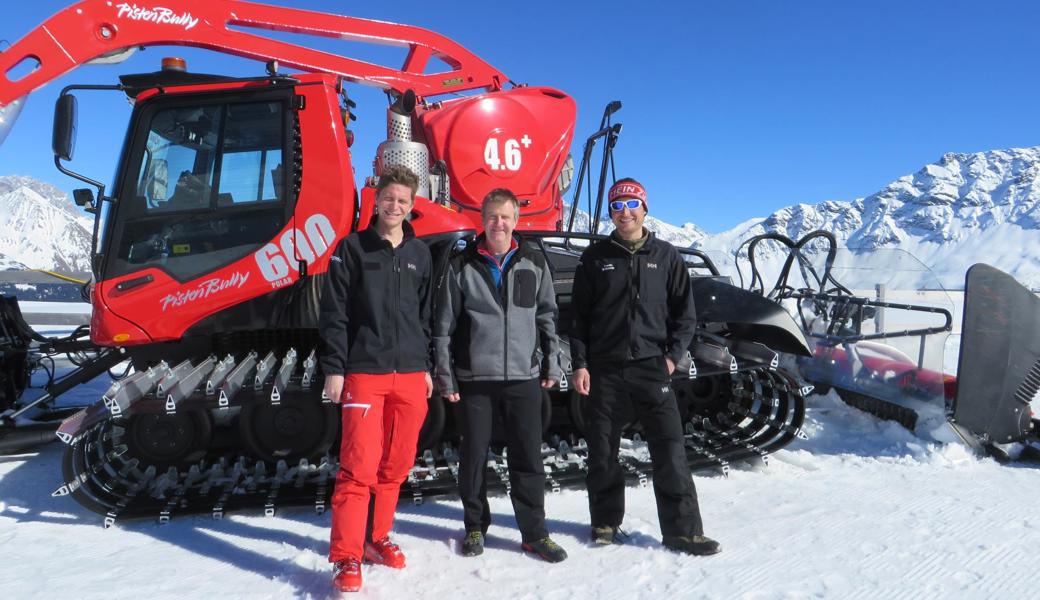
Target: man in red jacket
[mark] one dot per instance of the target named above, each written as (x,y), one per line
(374,322)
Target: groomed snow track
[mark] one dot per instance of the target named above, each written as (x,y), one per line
(153,447)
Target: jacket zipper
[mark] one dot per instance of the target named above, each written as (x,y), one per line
(396,305)
(633,300)
(505,323)
(503,300)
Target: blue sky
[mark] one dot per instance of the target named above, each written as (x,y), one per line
(731,109)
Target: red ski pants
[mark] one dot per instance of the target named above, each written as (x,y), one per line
(382,416)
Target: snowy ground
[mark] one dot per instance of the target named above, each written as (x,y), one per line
(863,509)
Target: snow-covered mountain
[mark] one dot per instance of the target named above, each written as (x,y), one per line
(963,209)
(40,228)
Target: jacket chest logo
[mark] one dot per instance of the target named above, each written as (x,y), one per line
(607,267)
(411,266)
(651,265)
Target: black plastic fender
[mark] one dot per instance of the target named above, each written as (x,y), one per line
(749,316)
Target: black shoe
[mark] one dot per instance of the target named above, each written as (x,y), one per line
(698,545)
(473,544)
(604,535)
(549,550)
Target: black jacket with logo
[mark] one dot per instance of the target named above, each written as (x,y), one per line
(375,306)
(631,305)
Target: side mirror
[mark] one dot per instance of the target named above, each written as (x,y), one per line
(63,141)
(84,198)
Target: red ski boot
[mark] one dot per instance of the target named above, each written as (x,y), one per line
(347,575)
(384,552)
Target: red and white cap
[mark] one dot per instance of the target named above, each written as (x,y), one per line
(628,188)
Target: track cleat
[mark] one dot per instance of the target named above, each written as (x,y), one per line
(384,552)
(697,545)
(604,535)
(473,544)
(346,575)
(547,549)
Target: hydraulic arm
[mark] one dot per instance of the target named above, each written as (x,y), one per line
(105,30)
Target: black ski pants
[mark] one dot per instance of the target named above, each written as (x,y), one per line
(645,386)
(520,404)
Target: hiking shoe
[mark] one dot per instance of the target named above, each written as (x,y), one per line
(346,575)
(698,545)
(549,550)
(473,544)
(384,552)
(604,535)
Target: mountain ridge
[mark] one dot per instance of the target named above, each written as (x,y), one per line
(963,208)
(40,228)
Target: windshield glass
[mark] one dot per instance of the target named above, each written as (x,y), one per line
(208,189)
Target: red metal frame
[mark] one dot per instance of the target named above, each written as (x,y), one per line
(96,28)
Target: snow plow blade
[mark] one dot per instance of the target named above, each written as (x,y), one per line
(1000,336)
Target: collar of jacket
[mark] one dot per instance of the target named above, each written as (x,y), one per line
(650,239)
(481,245)
(472,250)
(371,240)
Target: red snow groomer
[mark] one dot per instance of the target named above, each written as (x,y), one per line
(228,197)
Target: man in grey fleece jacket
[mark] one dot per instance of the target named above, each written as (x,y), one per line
(494,337)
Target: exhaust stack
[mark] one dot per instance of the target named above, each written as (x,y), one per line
(400,147)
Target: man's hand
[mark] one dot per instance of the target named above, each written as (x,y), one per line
(548,383)
(333,387)
(429,385)
(671,366)
(581,381)
(452,397)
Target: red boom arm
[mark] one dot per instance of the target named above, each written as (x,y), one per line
(96,28)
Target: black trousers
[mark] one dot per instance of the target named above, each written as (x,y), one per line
(645,386)
(520,404)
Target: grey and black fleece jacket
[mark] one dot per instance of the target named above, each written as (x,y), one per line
(483,333)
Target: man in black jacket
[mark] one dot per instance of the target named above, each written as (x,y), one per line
(633,320)
(374,322)
(494,336)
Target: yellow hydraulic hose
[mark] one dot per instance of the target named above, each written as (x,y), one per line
(60,276)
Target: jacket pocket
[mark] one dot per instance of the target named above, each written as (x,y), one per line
(410,281)
(525,288)
(653,280)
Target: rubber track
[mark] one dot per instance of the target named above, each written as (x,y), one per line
(764,414)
